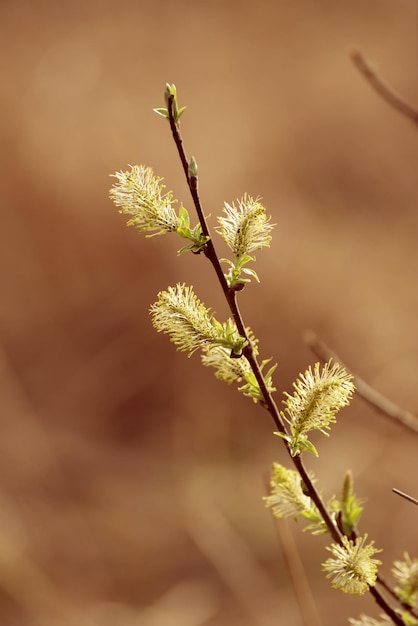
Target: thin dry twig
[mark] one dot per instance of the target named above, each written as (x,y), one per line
(405,495)
(370,395)
(297,574)
(384,90)
(235,563)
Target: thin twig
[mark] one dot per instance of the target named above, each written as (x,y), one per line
(374,398)
(210,252)
(192,184)
(385,585)
(382,581)
(386,92)
(389,589)
(386,607)
(297,574)
(405,495)
(216,538)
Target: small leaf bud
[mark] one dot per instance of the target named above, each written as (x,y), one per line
(193,169)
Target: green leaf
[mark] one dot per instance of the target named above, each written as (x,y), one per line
(193,169)
(307,446)
(351,506)
(284,436)
(298,443)
(251,387)
(234,275)
(170,90)
(184,223)
(163,112)
(195,248)
(250,272)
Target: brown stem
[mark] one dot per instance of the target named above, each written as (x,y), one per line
(390,611)
(386,92)
(389,589)
(316,498)
(210,251)
(370,395)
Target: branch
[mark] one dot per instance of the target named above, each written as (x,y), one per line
(230,295)
(380,600)
(210,252)
(405,495)
(385,91)
(389,589)
(303,592)
(216,538)
(374,398)
(268,401)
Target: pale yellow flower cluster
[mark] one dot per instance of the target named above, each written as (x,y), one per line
(318,396)
(190,324)
(227,369)
(286,498)
(406,574)
(352,569)
(140,194)
(245,227)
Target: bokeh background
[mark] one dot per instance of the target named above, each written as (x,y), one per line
(130,479)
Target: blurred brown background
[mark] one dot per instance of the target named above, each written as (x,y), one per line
(130,479)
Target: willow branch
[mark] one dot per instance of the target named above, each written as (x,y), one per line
(210,252)
(389,589)
(388,408)
(230,295)
(386,607)
(384,90)
(381,600)
(268,401)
